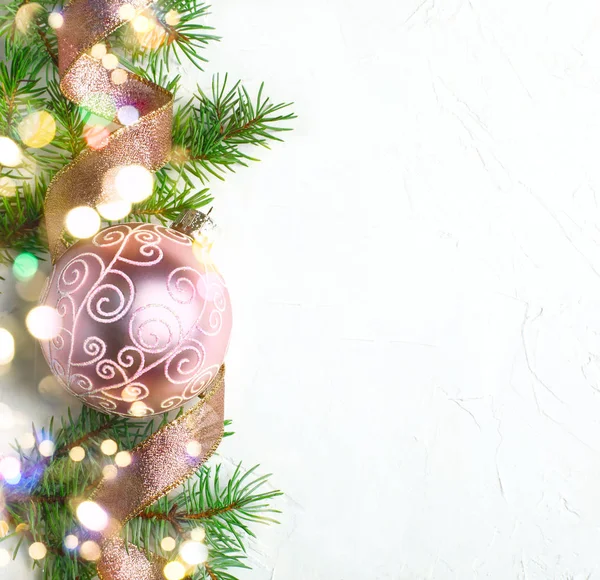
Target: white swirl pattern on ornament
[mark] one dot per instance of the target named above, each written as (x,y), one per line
(143,320)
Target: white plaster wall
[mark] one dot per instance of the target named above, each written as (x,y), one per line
(416,281)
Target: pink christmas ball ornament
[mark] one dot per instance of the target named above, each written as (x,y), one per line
(145,323)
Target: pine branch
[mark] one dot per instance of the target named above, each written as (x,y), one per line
(210,131)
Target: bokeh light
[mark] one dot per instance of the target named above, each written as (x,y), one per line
(25,266)
(109,447)
(128,115)
(172,18)
(110,472)
(198,534)
(138,409)
(44,322)
(50,387)
(194,448)
(110,61)
(174,571)
(83,222)
(92,516)
(10,468)
(8,186)
(26,16)
(4,558)
(114,209)
(27,441)
(10,153)
(90,551)
(55,20)
(123,458)
(142,23)
(77,454)
(168,544)
(99,50)
(71,542)
(46,448)
(4,529)
(7,347)
(37,129)
(119,76)
(134,183)
(96,136)
(38,551)
(127,12)
(193,553)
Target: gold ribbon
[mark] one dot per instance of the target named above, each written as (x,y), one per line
(85,81)
(161,463)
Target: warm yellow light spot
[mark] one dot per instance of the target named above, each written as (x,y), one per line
(119,76)
(174,571)
(114,209)
(7,346)
(92,516)
(198,534)
(22,528)
(71,542)
(173,18)
(90,551)
(138,409)
(193,553)
(27,441)
(46,448)
(142,23)
(37,551)
(194,448)
(77,454)
(123,458)
(10,153)
(134,183)
(4,558)
(168,544)
(109,447)
(83,222)
(129,393)
(37,129)
(110,472)
(55,20)
(154,37)
(44,322)
(26,16)
(4,529)
(50,386)
(110,61)
(8,186)
(127,12)
(202,247)
(99,50)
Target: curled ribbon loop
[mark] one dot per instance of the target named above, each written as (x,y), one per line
(85,81)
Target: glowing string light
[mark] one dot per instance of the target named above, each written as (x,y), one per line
(44,322)
(109,447)
(92,516)
(46,448)
(77,454)
(10,153)
(83,222)
(174,571)
(37,551)
(193,553)
(25,266)
(37,129)
(55,20)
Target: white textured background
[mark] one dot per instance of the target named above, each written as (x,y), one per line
(416,282)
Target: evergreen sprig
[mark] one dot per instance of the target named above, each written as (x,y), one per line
(40,507)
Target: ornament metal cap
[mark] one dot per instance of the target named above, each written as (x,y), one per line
(191,221)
